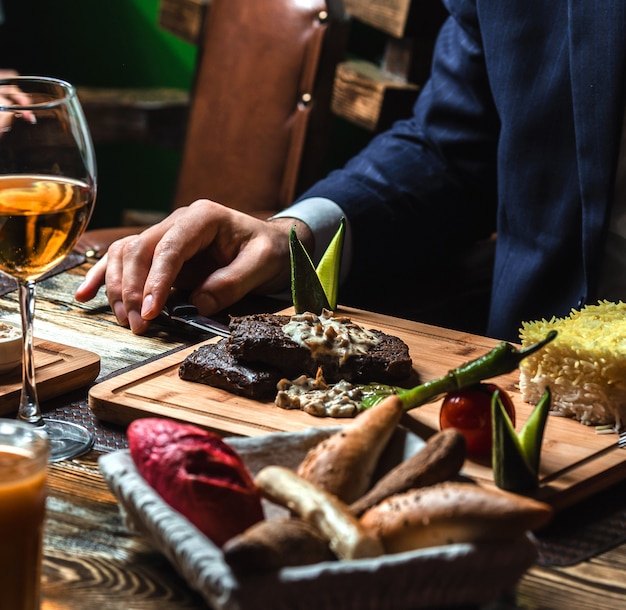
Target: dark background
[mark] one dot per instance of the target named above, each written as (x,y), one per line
(118,43)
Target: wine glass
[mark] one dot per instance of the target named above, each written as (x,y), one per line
(47,192)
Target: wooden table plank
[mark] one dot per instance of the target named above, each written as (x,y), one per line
(91,559)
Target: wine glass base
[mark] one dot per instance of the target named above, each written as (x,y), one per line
(67,439)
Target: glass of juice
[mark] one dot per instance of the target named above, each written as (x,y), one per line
(23,467)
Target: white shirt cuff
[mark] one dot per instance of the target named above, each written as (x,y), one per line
(323,217)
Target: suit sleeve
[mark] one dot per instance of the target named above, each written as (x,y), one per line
(427,185)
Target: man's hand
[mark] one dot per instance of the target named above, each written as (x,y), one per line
(10,95)
(217,253)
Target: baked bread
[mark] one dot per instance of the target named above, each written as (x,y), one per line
(275,543)
(452,512)
(585,365)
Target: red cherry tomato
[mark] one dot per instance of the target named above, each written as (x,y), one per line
(469,411)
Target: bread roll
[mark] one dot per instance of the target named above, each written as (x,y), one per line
(275,543)
(347,538)
(452,512)
(344,463)
(439,460)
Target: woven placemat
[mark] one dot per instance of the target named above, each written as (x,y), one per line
(72,260)
(107,436)
(585,530)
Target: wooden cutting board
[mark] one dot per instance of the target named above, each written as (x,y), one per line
(576,462)
(58,369)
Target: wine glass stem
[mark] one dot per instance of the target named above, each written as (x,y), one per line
(29,405)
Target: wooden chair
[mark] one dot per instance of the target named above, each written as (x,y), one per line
(260,106)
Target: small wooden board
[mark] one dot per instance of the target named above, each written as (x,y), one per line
(58,369)
(576,462)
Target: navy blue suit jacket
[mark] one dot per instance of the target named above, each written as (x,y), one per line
(517,131)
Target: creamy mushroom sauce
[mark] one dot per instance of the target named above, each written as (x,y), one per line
(316,397)
(327,335)
(8,331)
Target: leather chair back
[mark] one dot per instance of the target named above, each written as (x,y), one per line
(260,112)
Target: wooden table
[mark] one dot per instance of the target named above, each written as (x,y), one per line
(92,560)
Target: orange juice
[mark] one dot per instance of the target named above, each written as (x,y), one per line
(22,511)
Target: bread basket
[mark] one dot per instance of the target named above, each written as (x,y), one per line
(451,575)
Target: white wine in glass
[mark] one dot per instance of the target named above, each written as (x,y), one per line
(47,193)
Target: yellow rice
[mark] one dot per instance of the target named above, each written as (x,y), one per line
(585,366)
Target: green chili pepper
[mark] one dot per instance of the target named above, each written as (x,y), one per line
(516,457)
(307,291)
(314,289)
(330,265)
(371,393)
(502,359)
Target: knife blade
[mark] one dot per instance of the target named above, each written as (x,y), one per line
(188,314)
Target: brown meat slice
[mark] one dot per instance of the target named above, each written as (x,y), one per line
(259,339)
(213,364)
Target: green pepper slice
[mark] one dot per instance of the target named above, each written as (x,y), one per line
(330,265)
(516,457)
(314,289)
(307,292)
